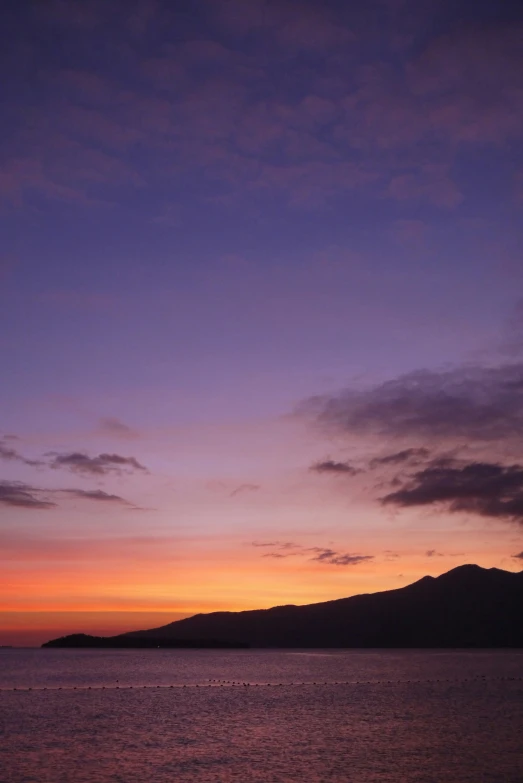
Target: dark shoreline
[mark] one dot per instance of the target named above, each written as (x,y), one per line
(85,641)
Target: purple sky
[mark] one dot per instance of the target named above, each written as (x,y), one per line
(213,211)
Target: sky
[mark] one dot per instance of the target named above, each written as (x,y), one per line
(261,304)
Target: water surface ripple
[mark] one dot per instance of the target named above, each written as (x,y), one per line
(405,716)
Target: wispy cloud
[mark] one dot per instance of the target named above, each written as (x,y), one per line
(399,457)
(101,465)
(117,428)
(319,554)
(95,494)
(8,453)
(245,488)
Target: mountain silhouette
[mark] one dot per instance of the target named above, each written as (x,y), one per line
(126,642)
(468,606)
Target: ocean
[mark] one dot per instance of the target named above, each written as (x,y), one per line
(270,716)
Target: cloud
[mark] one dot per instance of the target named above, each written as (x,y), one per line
(347,112)
(430,183)
(433,553)
(112,426)
(8,453)
(95,494)
(468,108)
(280,545)
(19,495)
(24,496)
(313,29)
(487,489)
(481,404)
(471,419)
(406,455)
(330,466)
(331,557)
(518,556)
(391,555)
(245,488)
(320,554)
(101,465)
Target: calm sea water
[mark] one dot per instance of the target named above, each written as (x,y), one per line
(317,716)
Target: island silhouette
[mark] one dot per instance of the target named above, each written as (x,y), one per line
(468,606)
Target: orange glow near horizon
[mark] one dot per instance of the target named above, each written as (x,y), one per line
(40,601)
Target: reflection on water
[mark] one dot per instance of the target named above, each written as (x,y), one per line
(384,729)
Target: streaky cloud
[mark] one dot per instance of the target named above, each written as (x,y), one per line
(324,555)
(406,455)
(19,495)
(95,494)
(8,453)
(101,465)
(245,488)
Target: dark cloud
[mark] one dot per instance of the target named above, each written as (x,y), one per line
(8,453)
(245,488)
(433,553)
(488,489)
(330,466)
(112,426)
(19,495)
(279,544)
(100,465)
(22,495)
(518,556)
(473,403)
(95,494)
(407,455)
(456,413)
(332,557)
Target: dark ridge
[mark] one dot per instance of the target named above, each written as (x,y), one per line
(123,641)
(468,606)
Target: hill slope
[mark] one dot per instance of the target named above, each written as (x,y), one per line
(466,607)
